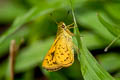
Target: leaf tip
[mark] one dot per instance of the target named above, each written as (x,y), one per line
(106,49)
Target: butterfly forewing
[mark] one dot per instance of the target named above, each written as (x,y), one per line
(64,52)
(49,61)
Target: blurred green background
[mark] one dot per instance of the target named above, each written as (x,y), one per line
(30,20)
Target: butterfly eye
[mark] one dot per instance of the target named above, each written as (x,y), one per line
(63,26)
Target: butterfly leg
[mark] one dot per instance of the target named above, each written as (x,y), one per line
(70,26)
(68,31)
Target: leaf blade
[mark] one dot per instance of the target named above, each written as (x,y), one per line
(32,14)
(114,29)
(88,63)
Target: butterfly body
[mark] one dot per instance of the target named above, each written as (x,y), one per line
(61,53)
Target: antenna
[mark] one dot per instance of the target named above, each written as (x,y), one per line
(68,12)
(53,17)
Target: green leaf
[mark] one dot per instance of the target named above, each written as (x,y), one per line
(4,47)
(29,75)
(90,65)
(55,75)
(30,56)
(93,41)
(32,14)
(90,21)
(112,10)
(90,68)
(110,61)
(33,55)
(114,29)
(117,75)
(9,10)
(3,67)
(117,78)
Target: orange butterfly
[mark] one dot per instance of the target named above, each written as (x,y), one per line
(61,53)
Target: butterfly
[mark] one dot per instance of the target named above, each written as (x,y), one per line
(61,53)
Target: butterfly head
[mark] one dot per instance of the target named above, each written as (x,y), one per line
(62,26)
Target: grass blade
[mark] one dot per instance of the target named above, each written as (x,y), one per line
(35,12)
(110,59)
(115,30)
(90,68)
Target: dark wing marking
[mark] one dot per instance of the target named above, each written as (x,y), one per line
(64,53)
(49,62)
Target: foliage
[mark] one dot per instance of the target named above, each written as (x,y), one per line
(97,24)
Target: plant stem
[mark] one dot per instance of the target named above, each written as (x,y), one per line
(13,50)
